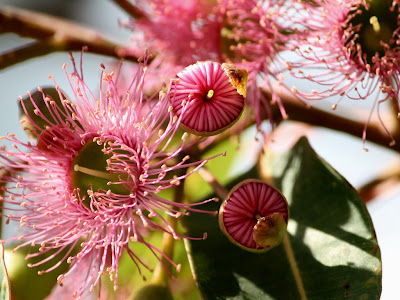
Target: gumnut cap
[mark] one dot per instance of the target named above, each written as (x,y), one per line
(269,231)
(209,97)
(254,216)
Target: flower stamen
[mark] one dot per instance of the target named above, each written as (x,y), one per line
(91,172)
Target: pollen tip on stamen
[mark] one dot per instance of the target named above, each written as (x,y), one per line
(334,106)
(178,268)
(392,143)
(365,149)
(204,235)
(375,23)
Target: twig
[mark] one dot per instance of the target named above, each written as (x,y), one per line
(298,111)
(387,179)
(23,53)
(52,34)
(130,9)
(213,182)
(162,272)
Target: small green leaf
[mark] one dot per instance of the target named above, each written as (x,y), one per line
(330,251)
(5,283)
(37,102)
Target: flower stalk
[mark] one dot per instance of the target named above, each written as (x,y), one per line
(162,272)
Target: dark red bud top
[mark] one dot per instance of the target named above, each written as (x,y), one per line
(254,216)
(209,97)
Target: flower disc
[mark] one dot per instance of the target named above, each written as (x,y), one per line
(254,216)
(214,94)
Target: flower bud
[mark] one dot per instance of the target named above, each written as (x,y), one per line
(209,97)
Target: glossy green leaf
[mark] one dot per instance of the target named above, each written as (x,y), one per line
(5,283)
(330,251)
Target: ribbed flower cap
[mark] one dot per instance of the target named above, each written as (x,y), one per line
(254,216)
(215,95)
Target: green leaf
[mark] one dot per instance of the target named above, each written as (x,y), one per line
(5,283)
(38,102)
(330,251)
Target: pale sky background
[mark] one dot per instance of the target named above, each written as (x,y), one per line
(344,153)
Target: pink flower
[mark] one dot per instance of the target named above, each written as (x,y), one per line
(184,31)
(209,97)
(352,51)
(255,33)
(91,182)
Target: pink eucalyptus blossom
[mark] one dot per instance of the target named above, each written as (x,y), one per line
(179,33)
(255,33)
(352,51)
(91,181)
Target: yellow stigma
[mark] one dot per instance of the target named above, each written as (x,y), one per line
(210,94)
(375,23)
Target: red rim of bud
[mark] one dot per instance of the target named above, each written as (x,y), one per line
(209,97)
(254,216)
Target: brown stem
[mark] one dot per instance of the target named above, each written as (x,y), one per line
(23,53)
(298,111)
(130,9)
(53,34)
(209,177)
(382,183)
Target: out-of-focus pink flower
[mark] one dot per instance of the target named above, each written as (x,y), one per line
(352,50)
(209,97)
(179,32)
(90,184)
(255,33)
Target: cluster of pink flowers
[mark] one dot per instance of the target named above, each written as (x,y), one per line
(89,186)
(346,48)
